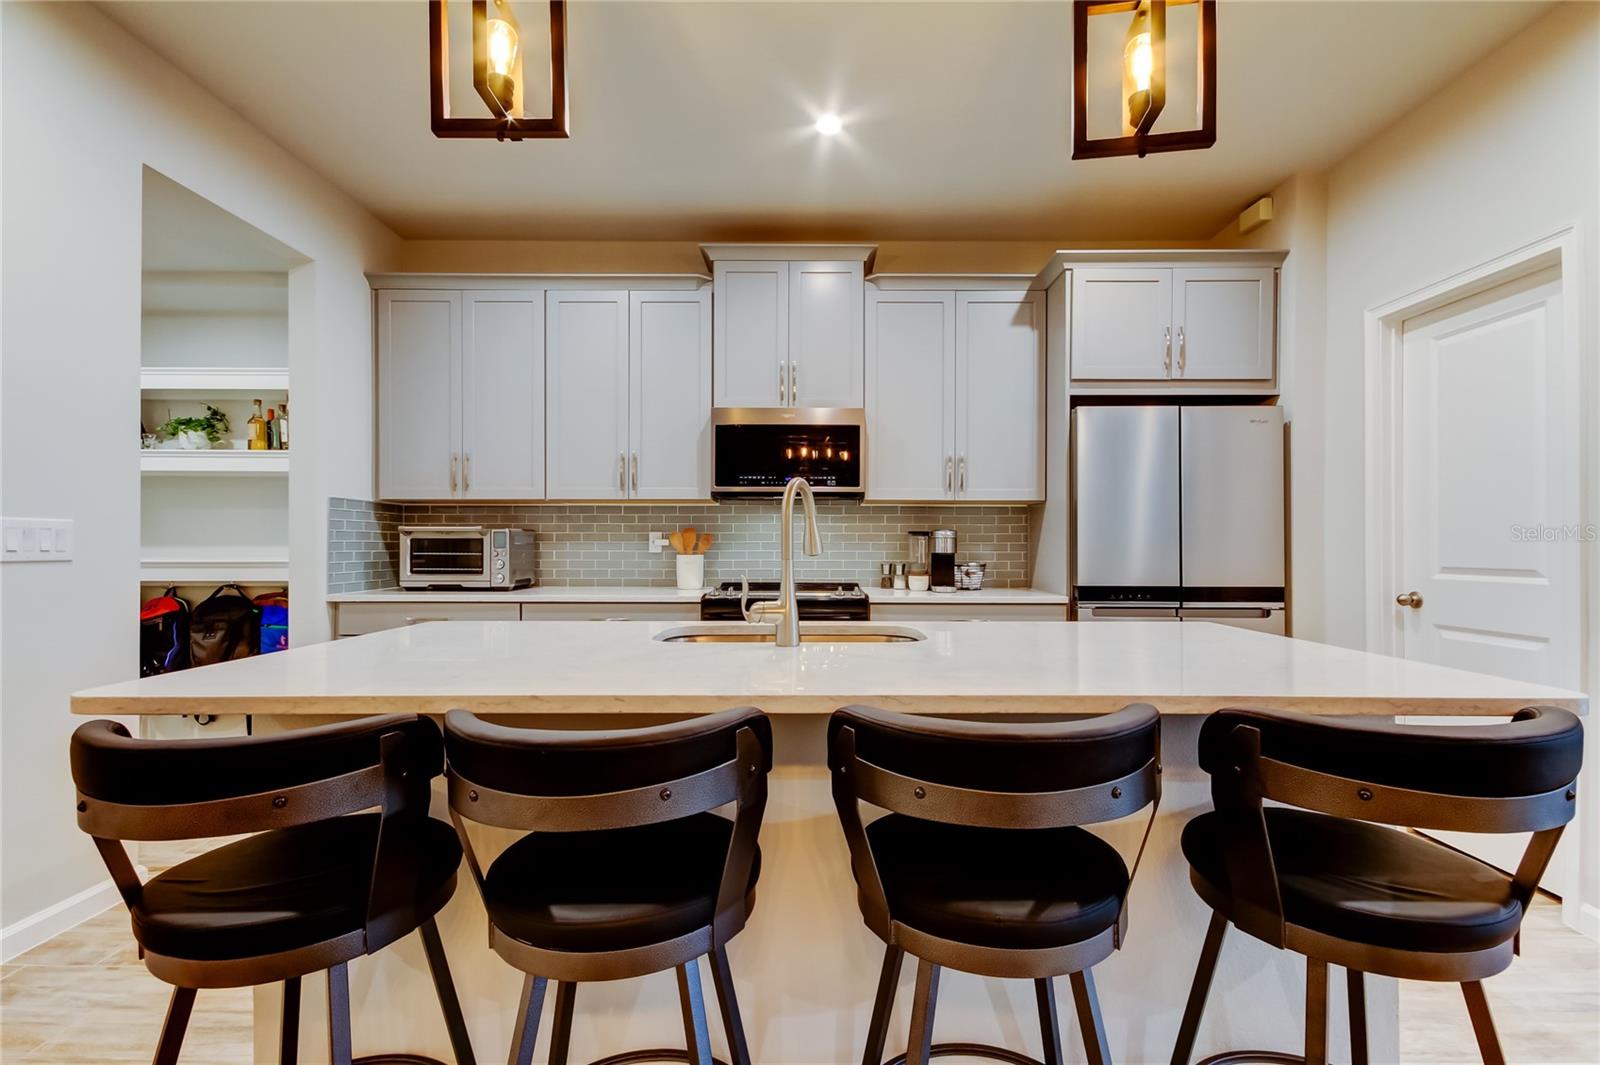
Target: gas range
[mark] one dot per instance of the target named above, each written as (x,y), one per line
(818,600)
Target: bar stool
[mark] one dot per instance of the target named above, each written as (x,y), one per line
(624,870)
(318,884)
(980,864)
(1328,879)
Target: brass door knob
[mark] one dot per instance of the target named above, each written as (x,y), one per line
(1410,599)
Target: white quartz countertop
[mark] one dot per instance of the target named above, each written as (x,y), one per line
(641,594)
(552,667)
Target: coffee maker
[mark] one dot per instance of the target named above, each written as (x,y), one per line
(942,567)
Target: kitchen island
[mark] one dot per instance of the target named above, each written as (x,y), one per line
(805,966)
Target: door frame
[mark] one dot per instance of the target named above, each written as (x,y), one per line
(1384,325)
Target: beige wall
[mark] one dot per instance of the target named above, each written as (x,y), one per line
(86,109)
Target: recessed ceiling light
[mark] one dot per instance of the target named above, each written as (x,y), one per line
(829,124)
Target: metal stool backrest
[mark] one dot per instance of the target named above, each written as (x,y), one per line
(1004,775)
(133,789)
(541,780)
(1519,776)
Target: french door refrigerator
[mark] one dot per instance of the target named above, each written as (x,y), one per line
(1178,514)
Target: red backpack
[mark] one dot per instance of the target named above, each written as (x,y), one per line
(163,634)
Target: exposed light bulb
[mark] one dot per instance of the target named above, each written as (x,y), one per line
(829,124)
(1141,61)
(502,46)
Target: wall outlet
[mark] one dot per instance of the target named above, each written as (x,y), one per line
(35,539)
(658,542)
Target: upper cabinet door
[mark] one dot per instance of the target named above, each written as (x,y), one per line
(1121,323)
(751,325)
(911,394)
(419,398)
(826,365)
(669,338)
(1224,323)
(1000,383)
(586,374)
(502,395)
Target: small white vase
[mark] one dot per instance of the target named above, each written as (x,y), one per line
(193,440)
(691,572)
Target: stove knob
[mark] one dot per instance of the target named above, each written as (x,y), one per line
(499,578)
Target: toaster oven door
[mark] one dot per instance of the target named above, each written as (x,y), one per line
(444,558)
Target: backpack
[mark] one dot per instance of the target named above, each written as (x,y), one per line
(163,634)
(274,621)
(225,626)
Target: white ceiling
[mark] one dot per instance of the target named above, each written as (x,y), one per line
(693,120)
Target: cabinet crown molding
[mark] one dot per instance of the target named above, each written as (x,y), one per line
(1066,259)
(791,253)
(894,282)
(539,282)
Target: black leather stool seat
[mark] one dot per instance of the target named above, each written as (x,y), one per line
(1370,884)
(1005,888)
(286,888)
(612,889)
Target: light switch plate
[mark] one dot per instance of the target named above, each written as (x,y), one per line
(657,542)
(36,539)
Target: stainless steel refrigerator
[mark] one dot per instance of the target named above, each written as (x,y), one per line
(1178,514)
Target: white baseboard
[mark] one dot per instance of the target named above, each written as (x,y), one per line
(1585,917)
(27,933)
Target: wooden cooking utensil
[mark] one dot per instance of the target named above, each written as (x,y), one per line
(704,542)
(689,536)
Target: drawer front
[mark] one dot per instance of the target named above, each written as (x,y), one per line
(355,619)
(975,612)
(610,611)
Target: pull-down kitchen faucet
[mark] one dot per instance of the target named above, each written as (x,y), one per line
(785,613)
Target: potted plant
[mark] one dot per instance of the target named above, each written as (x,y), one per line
(197,434)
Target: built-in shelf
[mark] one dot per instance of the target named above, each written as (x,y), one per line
(213,571)
(163,461)
(213,379)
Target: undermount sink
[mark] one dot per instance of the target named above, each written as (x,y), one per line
(809,633)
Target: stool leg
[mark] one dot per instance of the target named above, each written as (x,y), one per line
(1316,1012)
(172,1029)
(883,1005)
(1356,992)
(919,1048)
(692,998)
(561,1034)
(526,1031)
(339,1015)
(1198,991)
(728,1003)
(1093,1028)
(1482,1023)
(289,1032)
(1049,1022)
(445,988)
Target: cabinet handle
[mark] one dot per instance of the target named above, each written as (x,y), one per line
(622,472)
(454,458)
(466,472)
(794,382)
(636,471)
(783,382)
(1183,351)
(1166,355)
(949,474)
(961,477)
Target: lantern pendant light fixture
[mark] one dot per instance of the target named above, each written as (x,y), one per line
(497,73)
(1144,79)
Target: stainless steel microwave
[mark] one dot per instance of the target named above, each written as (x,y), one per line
(756,450)
(466,556)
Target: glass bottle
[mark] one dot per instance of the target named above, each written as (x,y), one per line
(283,426)
(258,429)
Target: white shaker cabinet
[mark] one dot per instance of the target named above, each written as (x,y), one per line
(788,333)
(669,358)
(955,395)
(419,395)
(911,394)
(1224,320)
(1121,324)
(502,395)
(1000,393)
(586,374)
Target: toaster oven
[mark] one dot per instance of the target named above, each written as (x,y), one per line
(465,556)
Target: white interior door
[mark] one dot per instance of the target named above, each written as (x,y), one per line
(502,395)
(669,335)
(419,398)
(1000,395)
(911,395)
(1489,502)
(586,413)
